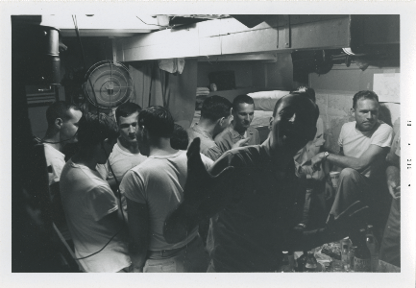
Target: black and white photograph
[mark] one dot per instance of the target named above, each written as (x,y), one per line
(223,144)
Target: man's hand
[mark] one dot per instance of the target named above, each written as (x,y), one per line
(317,160)
(394,189)
(393,181)
(241,143)
(351,220)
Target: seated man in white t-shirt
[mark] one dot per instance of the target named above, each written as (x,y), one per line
(364,144)
(62,129)
(126,152)
(97,227)
(153,190)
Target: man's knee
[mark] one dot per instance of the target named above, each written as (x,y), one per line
(349,174)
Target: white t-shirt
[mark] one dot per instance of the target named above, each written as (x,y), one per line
(121,160)
(55,159)
(87,199)
(355,142)
(158,182)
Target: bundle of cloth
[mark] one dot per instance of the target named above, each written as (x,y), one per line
(264,102)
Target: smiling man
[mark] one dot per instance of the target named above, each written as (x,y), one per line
(364,144)
(255,200)
(243,113)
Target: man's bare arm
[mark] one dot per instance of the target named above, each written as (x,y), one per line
(139,233)
(359,164)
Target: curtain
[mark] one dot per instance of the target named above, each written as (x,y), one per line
(177,92)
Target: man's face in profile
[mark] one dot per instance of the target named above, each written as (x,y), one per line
(70,126)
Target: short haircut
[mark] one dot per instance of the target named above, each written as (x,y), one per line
(242,99)
(58,109)
(215,107)
(309,92)
(179,139)
(364,94)
(127,109)
(157,120)
(300,94)
(95,128)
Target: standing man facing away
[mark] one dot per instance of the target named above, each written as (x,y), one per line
(94,221)
(243,113)
(364,144)
(215,117)
(126,152)
(62,129)
(255,199)
(153,190)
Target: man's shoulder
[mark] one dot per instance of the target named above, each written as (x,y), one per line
(85,179)
(384,128)
(52,152)
(349,125)
(224,135)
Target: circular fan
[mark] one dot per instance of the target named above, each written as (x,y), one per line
(108,84)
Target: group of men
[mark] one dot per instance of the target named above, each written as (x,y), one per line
(127,174)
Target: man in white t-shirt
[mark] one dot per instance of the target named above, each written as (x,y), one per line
(364,144)
(153,190)
(62,129)
(126,152)
(97,227)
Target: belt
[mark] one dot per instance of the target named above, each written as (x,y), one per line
(171,252)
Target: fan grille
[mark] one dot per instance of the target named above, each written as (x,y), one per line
(108,84)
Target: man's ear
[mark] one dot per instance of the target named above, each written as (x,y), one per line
(353,112)
(221,121)
(59,122)
(144,132)
(271,123)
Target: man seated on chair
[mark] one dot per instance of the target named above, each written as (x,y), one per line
(94,220)
(215,117)
(364,144)
(153,189)
(62,129)
(243,113)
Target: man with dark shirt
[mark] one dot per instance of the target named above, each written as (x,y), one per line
(255,200)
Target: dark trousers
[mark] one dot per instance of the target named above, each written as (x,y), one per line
(390,243)
(352,187)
